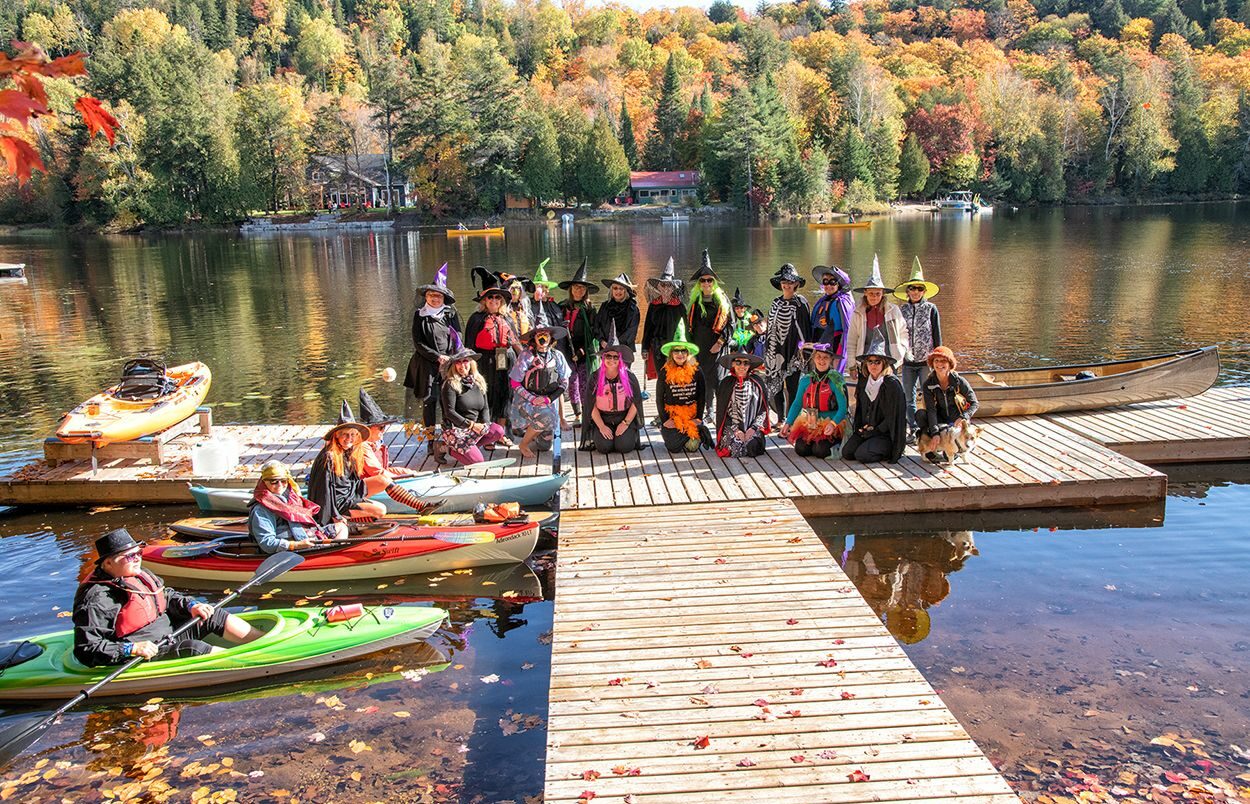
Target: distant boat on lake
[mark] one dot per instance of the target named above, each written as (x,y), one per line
(13,271)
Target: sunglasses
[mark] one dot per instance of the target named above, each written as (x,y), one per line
(128,557)
(742,362)
(920,288)
(679,351)
(275,481)
(707,281)
(613,358)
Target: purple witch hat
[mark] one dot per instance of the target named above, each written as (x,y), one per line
(458,350)
(439,285)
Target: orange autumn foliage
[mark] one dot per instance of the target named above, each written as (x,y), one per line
(26,100)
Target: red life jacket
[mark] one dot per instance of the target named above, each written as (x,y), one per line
(819,395)
(495,334)
(145,603)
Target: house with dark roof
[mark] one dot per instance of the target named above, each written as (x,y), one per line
(355,181)
(663,186)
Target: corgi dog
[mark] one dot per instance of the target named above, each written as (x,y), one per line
(950,443)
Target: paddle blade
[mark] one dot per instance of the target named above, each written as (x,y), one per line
(190,550)
(465,537)
(274,566)
(20,736)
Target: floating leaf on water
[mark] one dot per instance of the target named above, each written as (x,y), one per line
(402,714)
(316,737)
(359,746)
(491,679)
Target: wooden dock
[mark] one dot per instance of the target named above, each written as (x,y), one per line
(717,652)
(1214,426)
(1020,463)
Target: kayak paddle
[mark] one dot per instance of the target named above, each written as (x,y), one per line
(17,738)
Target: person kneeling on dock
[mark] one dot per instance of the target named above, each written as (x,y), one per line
(741,407)
(946,429)
(879,432)
(681,396)
(613,402)
(280,518)
(121,610)
(335,481)
(817,415)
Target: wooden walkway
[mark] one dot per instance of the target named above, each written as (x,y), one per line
(1214,426)
(718,653)
(1020,463)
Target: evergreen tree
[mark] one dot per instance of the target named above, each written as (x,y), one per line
(602,170)
(913,167)
(628,142)
(540,159)
(1109,18)
(660,152)
(853,160)
(722,11)
(388,97)
(1193,153)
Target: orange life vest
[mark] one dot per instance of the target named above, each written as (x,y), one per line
(145,603)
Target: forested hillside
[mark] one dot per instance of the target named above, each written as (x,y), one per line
(789,107)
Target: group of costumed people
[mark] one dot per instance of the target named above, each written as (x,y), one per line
(837,377)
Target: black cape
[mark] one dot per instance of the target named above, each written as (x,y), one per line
(887,415)
(431,338)
(758,404)
(625,315)
(336,494)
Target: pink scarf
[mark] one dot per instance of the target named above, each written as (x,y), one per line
(299,511)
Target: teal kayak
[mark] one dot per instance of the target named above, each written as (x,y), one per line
(294,639)
(458,493)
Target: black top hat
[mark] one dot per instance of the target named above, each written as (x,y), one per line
(347,422)
(490,283)
(787,273)
(579,278)
(705,269)
(113,543)
(371,413)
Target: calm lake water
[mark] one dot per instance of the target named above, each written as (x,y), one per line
(1065,641)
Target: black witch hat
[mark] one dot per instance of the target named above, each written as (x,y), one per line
(737,300)
(705,269)
(371,412)
(579,278)
(614,345)
(787,273)
(347,422)
(490,282)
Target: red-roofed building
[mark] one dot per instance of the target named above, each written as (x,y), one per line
(663,186)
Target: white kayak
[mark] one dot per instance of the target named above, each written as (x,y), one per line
(459,493)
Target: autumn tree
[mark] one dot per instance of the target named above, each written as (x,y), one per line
(272,126)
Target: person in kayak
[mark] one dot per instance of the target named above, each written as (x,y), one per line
(280,518)
(121,610)
(467,425)
(335,481)
(539,379)
(579,346)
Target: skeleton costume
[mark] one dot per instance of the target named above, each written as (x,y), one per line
(741,405)
(788,322)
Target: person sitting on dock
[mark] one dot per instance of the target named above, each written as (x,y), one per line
(831,314)
(681,395)
(467,425)
(539,379)
(280,518)
(121,610)
(949,403)
(335,481)
(879,429)
(377,470)
(816,418)
(613,402)
(741,407)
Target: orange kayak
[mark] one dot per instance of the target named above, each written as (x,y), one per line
(137,406)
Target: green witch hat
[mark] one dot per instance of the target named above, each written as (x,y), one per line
(540,276)
(679,341)
(917,278)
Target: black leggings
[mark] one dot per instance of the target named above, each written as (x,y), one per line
(192,642)
(625,442)
(873,449)
(813,449)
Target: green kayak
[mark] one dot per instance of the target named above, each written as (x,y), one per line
(294,639)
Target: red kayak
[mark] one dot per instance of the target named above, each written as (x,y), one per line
(403,550)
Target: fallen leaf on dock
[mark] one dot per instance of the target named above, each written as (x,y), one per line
(858,776)
(701,742)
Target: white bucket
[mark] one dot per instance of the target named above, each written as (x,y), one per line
(216,457)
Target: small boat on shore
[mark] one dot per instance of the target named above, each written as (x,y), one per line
(847,225)
(489,232)
(147,400)
(459,493)
(1054,389)
(675,218)
(402,550)
(293,640)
